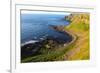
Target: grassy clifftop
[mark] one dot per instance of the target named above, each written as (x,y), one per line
(79,21)
(79,26)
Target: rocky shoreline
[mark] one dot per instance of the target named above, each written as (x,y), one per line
(48,43)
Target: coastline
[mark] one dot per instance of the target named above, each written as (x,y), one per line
(80,27)
(55,54)
(76,49)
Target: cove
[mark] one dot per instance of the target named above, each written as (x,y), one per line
(37,26)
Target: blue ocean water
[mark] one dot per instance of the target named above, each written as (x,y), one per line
(37,26)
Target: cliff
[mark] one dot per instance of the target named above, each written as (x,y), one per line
(79,26)
(79,21)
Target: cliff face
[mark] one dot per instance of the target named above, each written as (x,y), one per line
(78,17)
(79,21)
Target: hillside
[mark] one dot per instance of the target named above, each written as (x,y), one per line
(79,26)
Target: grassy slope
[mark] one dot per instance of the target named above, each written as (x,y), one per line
(80,27)
(51,55)
(78,50)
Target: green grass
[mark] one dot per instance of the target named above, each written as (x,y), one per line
(50,56)
(77,50)
(80,27)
